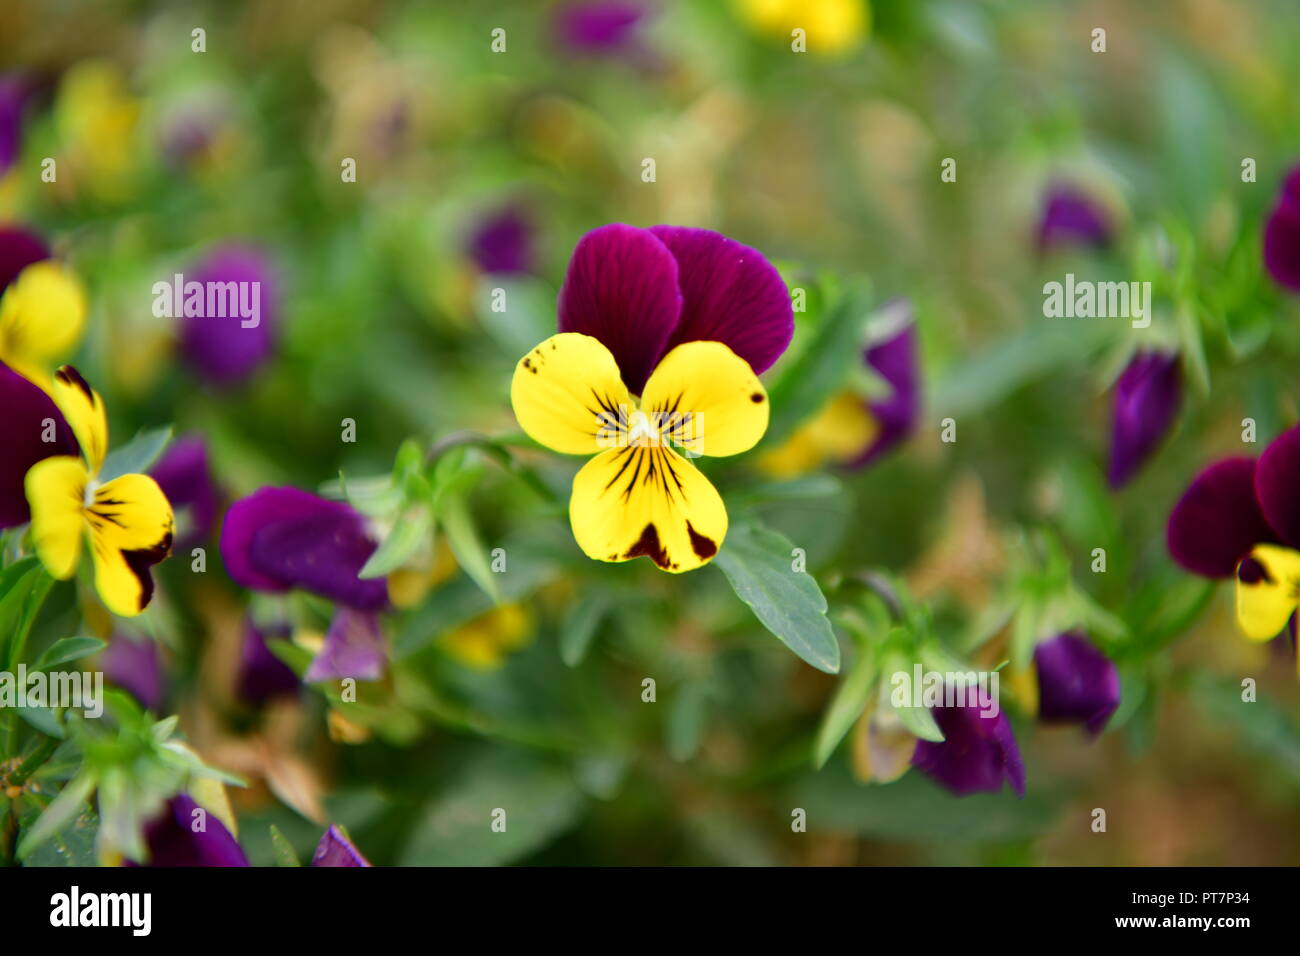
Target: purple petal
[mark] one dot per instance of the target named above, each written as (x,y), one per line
(1277,480)
(730,294)
(172,841)
(282,538)
(1217,520)
(1147,398)
(219,347)
(263,676)
(335,849)
(622,289)
(24,410)
(600,27)
(18,249)
(1076,682)
(354,647)
(1282,235)
(136,666)
(186,480)
(895,360)
(14,90)
(501,244)
(977,755)
(1071,217)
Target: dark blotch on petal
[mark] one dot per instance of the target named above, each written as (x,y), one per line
(1147,398)
(1251,571)
(1217,521)
(703,547)
(1076,682)
(648,546)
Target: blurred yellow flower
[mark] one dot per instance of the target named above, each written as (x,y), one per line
(830,26)
(42,314)
(485,642)
(836,435)
(97,119)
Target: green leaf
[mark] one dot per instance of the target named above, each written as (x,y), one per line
(758,564)
(282,849)
(407,535)
(851,698)
(19,606)
(59,813)
(138,455)
(579,627)
(456,521)
(68,649)
(43,719)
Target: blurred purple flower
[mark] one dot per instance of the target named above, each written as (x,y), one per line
(186,480)
(1282,235)
(262,676)
(1071,218)
(895,360)
(136,666)
(354,647)
(25,411)
(1076,682)
(600,27)
(172,841)
(335,849)
(502,243)
(14,91)
(220,348)
(278,539)
(18,249)
(977,754)
(1147,398)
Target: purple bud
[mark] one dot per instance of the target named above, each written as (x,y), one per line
(1076,682)
(978,752)
(335,849)
(1071,218)
(173,840)
(1147,398)
(502,243)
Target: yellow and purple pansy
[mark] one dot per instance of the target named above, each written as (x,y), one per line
(686,319)
(1242,517)
(127,520)
(42,306)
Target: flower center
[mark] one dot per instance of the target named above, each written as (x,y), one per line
(642,431)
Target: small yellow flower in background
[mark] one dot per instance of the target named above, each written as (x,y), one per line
(831,26)
(97,120)
(127,520)
(485,642)
(42,314)
(836,435)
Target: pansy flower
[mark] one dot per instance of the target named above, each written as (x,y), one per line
(600,27)
(1282,235)
(978,753)
(501,243)
(1076,682)
(831,26)
(686,319)
(14,91)
(42,306)
(1147,398)
(127,520)
(1071,217)
(1241,516)
(174,837)
(226,349)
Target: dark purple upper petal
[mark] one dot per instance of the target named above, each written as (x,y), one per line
(354,647)
(136,666)
(18,249)
(978,753)
(172,841)
(186,480)
(262,676)
(502,243)
(335,849)
(895,360)
(1217,520)
(598,26)
(730,294)
(1282,235)
(1076,682)
(24,409)
(1147,398)
(1071,217)
(1277,485)
(219,347)
(282,538)
(622,289)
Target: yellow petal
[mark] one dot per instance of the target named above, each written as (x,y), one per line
(706,398)
(1268,589)
(56,491)
(567,394)
(840,432)
(130,531)
(82,407)
(646,500)
(42,313)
